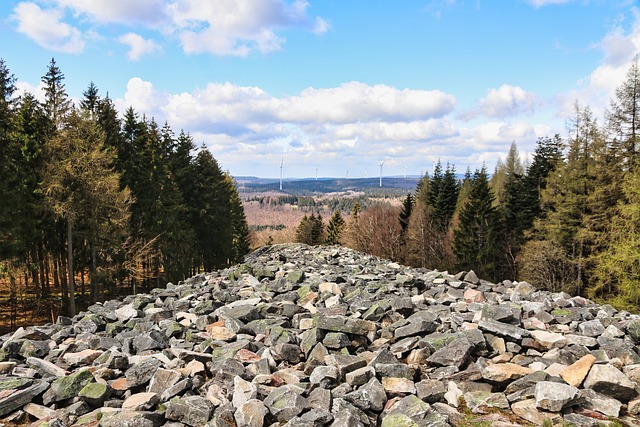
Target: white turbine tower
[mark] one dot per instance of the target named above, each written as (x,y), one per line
(381,163)
(281,162)
(405,171)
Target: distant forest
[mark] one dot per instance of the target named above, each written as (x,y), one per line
(91,202)
(568,221)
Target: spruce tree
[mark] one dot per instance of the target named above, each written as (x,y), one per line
(57,103)
(334,229)
(475,239)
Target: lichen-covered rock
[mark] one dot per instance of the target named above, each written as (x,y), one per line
(192,410)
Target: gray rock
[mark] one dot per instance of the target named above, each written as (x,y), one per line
(285,403)
(192,410)
(142,372)
(454,354)
(608,380)
(552,396)
(251,414)
(67,387)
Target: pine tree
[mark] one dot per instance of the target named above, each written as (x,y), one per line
(475,239)
(334,229)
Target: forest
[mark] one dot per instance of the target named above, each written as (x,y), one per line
(566,220)
(93,203)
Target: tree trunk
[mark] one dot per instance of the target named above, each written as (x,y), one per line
(92,274)
(72,286)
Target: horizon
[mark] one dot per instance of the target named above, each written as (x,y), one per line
(335,86)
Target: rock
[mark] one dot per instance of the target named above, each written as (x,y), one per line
(456,354)
(140,402)
(608,380)
(315,336)
(192,410)
(504,372)
(67,387)
(251,414)
(575,373)
(600,403)
(553,396)
(285,403)
(527,410)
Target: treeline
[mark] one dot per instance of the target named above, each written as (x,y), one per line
(567,221)
(316,205)
(91,197)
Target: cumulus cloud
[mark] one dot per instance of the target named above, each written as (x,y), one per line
(505,101)
(47,29)
(221,27)
(138,46)
(357,101)
(149,12)
(236,27)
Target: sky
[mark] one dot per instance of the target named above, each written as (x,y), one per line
(333,88)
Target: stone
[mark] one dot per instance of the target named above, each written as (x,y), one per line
(67,387)
(141,373)
(480,402)
(243,391)
(549,340)
(504,372)
(134,418)
(601,403)
(552,396)
(140,402)
(251,414)
(285,403)
(95,394)
(608,380)
(19,396)
(575,373)
(395,386)
(527,410)
(192,410)
(456,354)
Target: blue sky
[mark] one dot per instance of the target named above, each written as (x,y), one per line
(335,85)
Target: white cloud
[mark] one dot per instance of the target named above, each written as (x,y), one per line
(619,48)
(149,12)
(541,3)
(46,28)
(138,46)
(321,26)
(238,27)
(339,128)
(143,98)
(220,27)
(506,101)
(23,88)
(357,101)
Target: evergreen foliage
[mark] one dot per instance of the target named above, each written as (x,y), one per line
(476,238)
(334,229)
(123,200)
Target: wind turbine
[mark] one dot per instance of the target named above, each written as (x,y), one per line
(381,163)
(281,162)
(405,171)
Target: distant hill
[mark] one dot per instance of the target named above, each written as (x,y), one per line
(390,185)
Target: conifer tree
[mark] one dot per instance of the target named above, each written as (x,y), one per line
(80,185)
(239,229)
(475,239)
(623,117)
(334,229)
(57,103)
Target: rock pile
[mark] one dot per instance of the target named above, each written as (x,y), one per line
(325,336)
